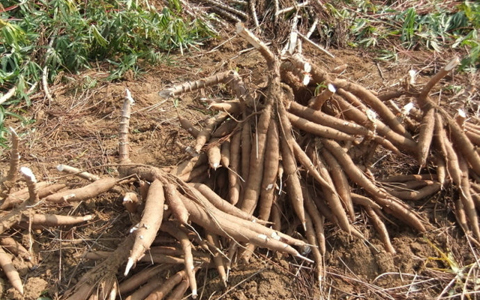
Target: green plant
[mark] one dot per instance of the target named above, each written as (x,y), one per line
(67,36)
(435,25)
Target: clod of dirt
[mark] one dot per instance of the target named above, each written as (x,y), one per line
(34,288)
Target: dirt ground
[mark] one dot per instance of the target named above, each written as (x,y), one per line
(80,128)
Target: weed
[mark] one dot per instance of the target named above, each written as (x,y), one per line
(435,25)
(67,36)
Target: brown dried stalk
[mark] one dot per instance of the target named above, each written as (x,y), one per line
(14,157)
(31,184)
(123,149)
(195,85)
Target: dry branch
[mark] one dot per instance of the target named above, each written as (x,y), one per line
(14,157)
(195,85)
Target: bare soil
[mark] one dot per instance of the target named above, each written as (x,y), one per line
(80,128)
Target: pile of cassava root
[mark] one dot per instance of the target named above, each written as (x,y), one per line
(263,155)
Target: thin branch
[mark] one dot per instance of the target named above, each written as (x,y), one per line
(316,45)
(288,9)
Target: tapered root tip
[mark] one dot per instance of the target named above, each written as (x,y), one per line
(130,263)
(20,289)
(225,280)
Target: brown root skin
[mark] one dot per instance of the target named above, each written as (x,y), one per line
(188,126)
(163,289)
(9,270)
(319,130)
(175,204)
(416,195)
(146,289)
(214,246)
(149,224)
(351,112)
(257,158)
(225,129)
(365,95)
(94,277)
(234,169)
(216,223)
(390,203)
(289,163)
(84,193)
(381,229)
(204,134)
(15,248)
(220,203)
(267,194)
(462,142)
(44,189)
(232,107)
(171,229)
(214,153)
(50,220)
(250,224)
(317,220)
(426,135)
(246,146)
(312,240)
(324,119)
(327,186)
(179,291)
(272,154)
(140,278)
(340,182)
(467,201)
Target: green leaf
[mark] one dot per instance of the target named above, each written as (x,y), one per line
(98,37)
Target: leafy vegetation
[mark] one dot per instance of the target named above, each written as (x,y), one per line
(435,25)
(66,35)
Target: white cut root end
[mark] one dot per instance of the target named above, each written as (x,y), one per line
(28,173)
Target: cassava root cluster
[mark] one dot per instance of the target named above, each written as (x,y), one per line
(290,147)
